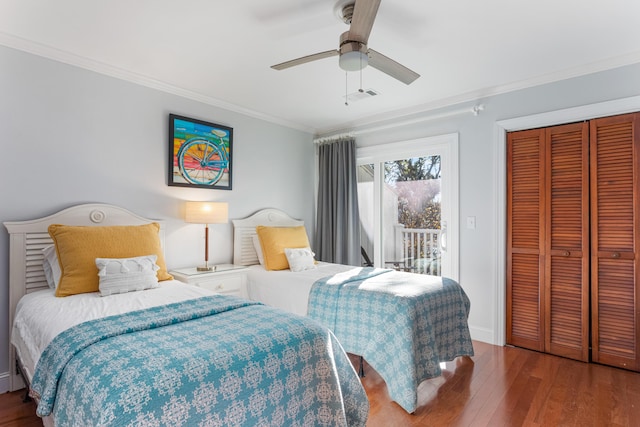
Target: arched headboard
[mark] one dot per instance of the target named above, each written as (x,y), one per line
(244,230)
(28,238)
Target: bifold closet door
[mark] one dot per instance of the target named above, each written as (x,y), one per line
(548,240)
(566,276)
(615,228)
(525,238)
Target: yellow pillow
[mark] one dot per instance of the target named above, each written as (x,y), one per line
(79,246)
(274,240)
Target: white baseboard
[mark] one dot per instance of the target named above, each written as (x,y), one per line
(482,334)
(4,382)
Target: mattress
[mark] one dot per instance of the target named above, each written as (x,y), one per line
(286,289)
(41,316)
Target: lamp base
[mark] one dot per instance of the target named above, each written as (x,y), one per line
(206,268)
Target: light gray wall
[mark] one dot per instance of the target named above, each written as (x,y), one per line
(479,159)
(70,136)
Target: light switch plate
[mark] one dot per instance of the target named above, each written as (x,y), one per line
(471,222)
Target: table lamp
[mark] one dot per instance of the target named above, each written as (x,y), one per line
(206,213)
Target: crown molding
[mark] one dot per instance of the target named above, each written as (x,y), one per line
(139,79)
(58,55)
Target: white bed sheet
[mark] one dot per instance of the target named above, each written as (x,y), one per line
(285,289)
(41,316)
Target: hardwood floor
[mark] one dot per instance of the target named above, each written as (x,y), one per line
(499,386)
(15,413)
(506,386)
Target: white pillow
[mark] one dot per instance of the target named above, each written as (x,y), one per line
(120,275)
(258,248)
(300,259)
(51,266)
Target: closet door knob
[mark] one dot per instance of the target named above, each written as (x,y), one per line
(615,255)
(566,253)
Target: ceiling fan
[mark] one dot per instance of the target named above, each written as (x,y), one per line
(353,52)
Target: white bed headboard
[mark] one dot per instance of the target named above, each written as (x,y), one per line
(245,229)
(26,240)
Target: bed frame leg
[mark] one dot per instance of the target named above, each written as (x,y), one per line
(26,397)
(361,369)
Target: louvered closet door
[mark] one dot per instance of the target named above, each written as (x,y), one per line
(525,236)
(615,153)
(566,278)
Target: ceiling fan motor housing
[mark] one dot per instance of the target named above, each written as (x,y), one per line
(353,54)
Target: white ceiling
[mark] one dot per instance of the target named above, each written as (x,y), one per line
(220,52)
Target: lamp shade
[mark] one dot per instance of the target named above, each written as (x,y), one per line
(207,212)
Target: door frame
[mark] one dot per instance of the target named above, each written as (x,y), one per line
(447,146)
(551,118)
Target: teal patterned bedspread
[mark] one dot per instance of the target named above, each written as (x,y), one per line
(211,361)
(403,324)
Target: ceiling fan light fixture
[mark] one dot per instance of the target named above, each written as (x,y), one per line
(353,61)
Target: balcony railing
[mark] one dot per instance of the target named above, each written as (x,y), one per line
(418,250)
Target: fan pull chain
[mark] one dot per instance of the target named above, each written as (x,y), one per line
(346,89)
(360,90)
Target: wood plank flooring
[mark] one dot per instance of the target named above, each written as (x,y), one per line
(499,386)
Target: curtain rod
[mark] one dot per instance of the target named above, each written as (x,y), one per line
(475,110)
(333,138)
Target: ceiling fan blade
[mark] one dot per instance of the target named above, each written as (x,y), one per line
(391,67)
(364,13)
(305,59)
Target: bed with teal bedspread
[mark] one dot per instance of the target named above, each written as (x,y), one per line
(214,361)
(403,324)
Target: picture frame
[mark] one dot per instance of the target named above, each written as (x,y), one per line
(200,154)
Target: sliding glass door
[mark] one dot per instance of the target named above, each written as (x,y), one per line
(408,200)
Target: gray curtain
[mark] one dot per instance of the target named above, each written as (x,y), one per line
(338,219)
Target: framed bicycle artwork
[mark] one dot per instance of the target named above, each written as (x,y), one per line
(199,153)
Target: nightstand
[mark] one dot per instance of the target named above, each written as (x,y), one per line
(227,279)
